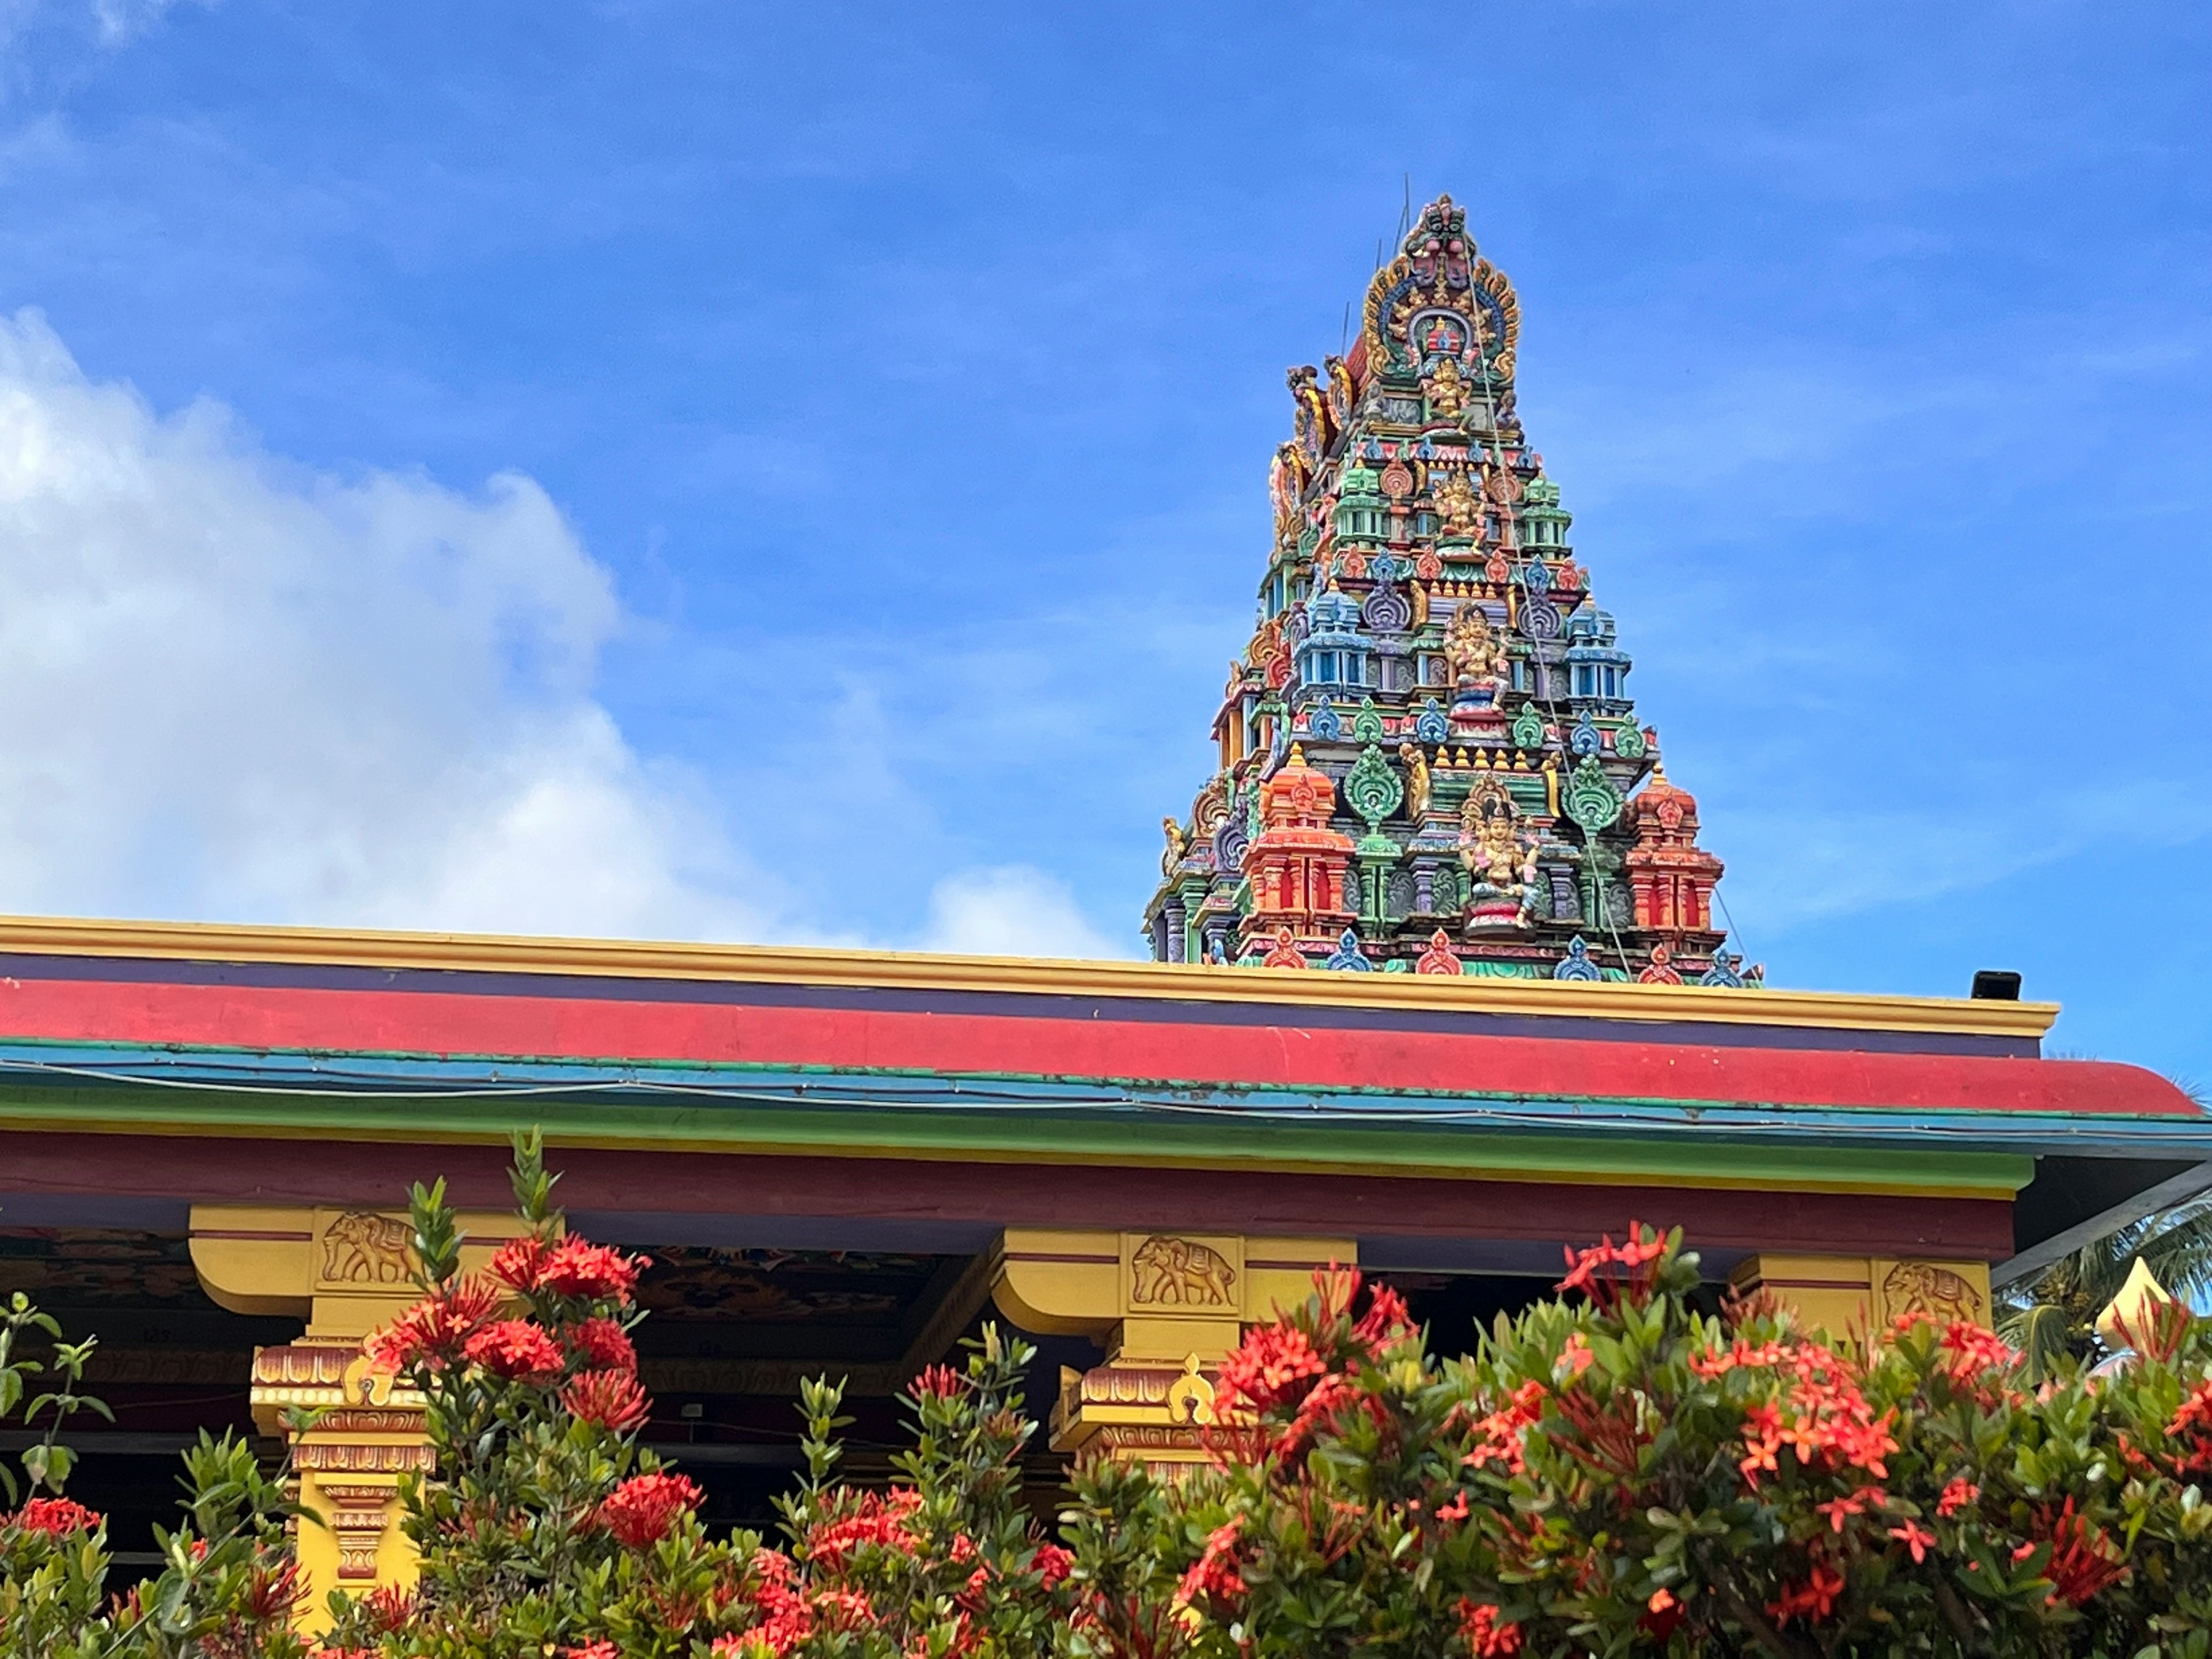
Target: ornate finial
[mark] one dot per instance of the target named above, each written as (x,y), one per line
(1283,953)
(1726,972)
(1577,964)
(1348,956)
(1440,957)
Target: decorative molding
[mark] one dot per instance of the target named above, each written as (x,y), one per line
(907,970)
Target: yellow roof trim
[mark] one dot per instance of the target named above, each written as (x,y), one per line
(775,964)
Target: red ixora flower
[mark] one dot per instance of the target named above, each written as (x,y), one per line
(1273,1366)
(389,1607)
(1969,1350)
(57,1516)
(1916,1538)
(877,1518)
(273,1593)
(608,1400)
(516,1349)
(1502,1436)
(2082,1561)
(576,1267)
(433,1332)
(602,1649)
(602,1345)
(516,1263)
(1814,1599)
(941,1381)
(641,1510)
(1489,1637)
(1053,1564)
(1214,1576)
(1662,1615)
(1960,1494)
(1631,1262)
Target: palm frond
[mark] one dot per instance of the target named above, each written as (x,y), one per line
(2045,1335)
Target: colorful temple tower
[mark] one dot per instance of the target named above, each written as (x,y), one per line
(1430,761)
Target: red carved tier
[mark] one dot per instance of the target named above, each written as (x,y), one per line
(1671,876)
(1299,866)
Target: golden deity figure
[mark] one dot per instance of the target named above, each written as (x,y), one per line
(1417,781)
(1478,658)
(1286,482)
(1341,396)
(1459,509)
(1447,392)
(1497,854)
(1315,426)
(1265,638)
(1178,844)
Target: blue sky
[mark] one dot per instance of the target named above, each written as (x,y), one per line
(800,471)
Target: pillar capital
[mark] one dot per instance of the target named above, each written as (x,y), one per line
(346,1273)
(1168,1306)
(1851,1296)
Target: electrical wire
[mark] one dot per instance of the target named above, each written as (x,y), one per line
(1649,1115)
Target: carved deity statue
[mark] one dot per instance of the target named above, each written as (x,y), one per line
(1417,781)
(1178,844)
(1447,392)
(1459,509)
(1500,859)
(1478,658)
(1315,426)
(1341,396)
(1286,480)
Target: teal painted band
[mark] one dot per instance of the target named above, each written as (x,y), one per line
(1131,1134)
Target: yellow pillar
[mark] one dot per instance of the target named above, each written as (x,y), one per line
(1850,1296)
(1167,1307)
(346,1272)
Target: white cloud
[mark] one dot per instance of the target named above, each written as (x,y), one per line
(1793,867)
(1012,910)
(113,22)
(230,689)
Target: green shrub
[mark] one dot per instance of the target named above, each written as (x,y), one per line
(1611,1472)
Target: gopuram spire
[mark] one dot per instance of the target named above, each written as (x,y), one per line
(1430,760)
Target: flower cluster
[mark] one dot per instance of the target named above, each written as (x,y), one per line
(56,1517)
(515,1349)
(878,1520)
(1287,1382)
(608,1400)
(1608,1273)
(1617,1470)
(1821,1415)
(1487,1635)
(1214,1576)
(640,1511)
(433,1334)
(571,1267)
